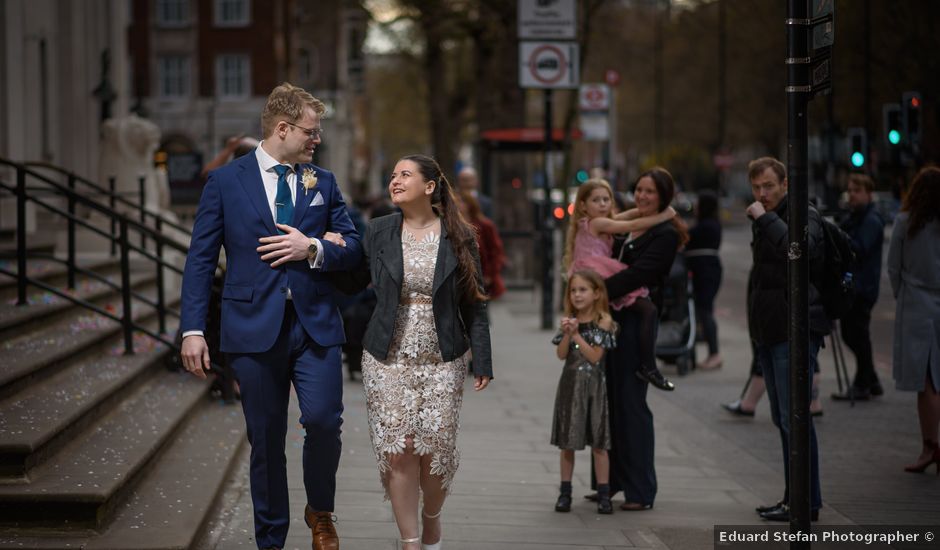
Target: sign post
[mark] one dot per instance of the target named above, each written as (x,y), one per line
(809,25)
(547,63)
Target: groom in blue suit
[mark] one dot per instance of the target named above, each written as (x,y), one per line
(270,209)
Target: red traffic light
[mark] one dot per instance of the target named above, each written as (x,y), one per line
(559,212)
(915,102)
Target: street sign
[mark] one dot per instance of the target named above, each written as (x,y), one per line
(822,8)
(548,65)
(823,34)
(594,97)
(595,126)
(821,76)
(612,77)
(547,19)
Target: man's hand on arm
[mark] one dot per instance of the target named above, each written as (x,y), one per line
(195,355)
(292,246)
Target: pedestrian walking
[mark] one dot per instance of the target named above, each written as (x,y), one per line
(705,265)
(430,319)
(580,419)
(588,246)
(865,228)
(914,270)
(492,257)
(280,326)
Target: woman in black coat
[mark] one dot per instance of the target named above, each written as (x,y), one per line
(705,265)
(429,320)
(650,255)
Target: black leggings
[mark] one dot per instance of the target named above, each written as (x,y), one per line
(646,333)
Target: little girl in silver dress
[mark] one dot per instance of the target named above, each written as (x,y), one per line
(581,417)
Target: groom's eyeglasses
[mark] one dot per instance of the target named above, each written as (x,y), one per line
(312,133)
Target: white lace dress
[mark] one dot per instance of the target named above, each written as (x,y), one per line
(413,392)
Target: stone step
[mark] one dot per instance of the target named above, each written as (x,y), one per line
(168,509)
(32,355)
(50,272)
(83,483)
(35,244)
(46,415)
(45,307)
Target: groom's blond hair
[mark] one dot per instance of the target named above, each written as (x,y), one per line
(287,102)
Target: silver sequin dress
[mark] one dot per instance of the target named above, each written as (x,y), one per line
(581,417)
(414,392)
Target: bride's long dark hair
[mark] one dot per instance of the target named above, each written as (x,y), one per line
(460,232)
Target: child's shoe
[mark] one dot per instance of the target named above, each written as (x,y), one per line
(603,499)
(563,504)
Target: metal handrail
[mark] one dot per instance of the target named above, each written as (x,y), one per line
(111,193)
(122,225)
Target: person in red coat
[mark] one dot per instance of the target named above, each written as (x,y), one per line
(492,258)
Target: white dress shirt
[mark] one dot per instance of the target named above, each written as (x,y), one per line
(266,164)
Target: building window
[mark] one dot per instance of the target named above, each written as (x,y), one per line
(233,76)
(172,13)
(173,75)
(232,13)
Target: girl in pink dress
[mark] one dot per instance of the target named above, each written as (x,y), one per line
(588,246)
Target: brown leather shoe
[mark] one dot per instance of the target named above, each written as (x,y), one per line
(321,526)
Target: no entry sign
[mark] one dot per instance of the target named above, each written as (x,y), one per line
(548,65)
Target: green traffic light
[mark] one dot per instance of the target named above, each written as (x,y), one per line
(581,176)
(858,159)
(894,137)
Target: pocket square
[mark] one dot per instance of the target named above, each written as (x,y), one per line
(317,199)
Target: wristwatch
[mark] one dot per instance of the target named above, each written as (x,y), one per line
(312,250)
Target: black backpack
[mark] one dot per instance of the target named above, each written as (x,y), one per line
(838,286)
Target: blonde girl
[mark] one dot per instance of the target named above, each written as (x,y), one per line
(580,417)
(589,244)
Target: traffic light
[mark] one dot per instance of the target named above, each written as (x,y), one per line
(858,147)
(893,125)
(911,108)
(582,176)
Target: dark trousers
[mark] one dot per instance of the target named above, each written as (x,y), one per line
(265,380)
(705,283)
(856,335)
(775,362)
(631,422)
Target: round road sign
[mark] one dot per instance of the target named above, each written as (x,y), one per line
(548,64)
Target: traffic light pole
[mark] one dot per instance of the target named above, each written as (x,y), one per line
(799,90)
(547,225)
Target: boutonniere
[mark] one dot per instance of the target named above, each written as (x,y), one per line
(309,179)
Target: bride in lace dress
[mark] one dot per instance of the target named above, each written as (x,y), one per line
(429,321)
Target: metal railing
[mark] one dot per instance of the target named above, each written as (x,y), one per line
(120,237)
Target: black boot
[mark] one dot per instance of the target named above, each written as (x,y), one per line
(563,504)
(603,500)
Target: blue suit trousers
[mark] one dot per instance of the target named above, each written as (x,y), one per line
(264,381)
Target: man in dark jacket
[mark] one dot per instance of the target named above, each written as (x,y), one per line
(768,309)
(866,228)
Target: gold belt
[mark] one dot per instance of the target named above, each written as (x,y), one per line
(412,300)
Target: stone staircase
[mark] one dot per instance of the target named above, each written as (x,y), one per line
(99,449)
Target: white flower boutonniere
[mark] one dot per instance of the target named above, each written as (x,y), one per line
(309,180)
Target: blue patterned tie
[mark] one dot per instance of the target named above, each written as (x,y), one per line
(282,201)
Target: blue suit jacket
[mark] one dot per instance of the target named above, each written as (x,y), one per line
(234,213)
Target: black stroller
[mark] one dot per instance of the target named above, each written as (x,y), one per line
(675,342)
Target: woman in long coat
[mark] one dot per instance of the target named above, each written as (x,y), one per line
(914,269)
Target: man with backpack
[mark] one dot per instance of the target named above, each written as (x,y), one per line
(865,229)
(768,310)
